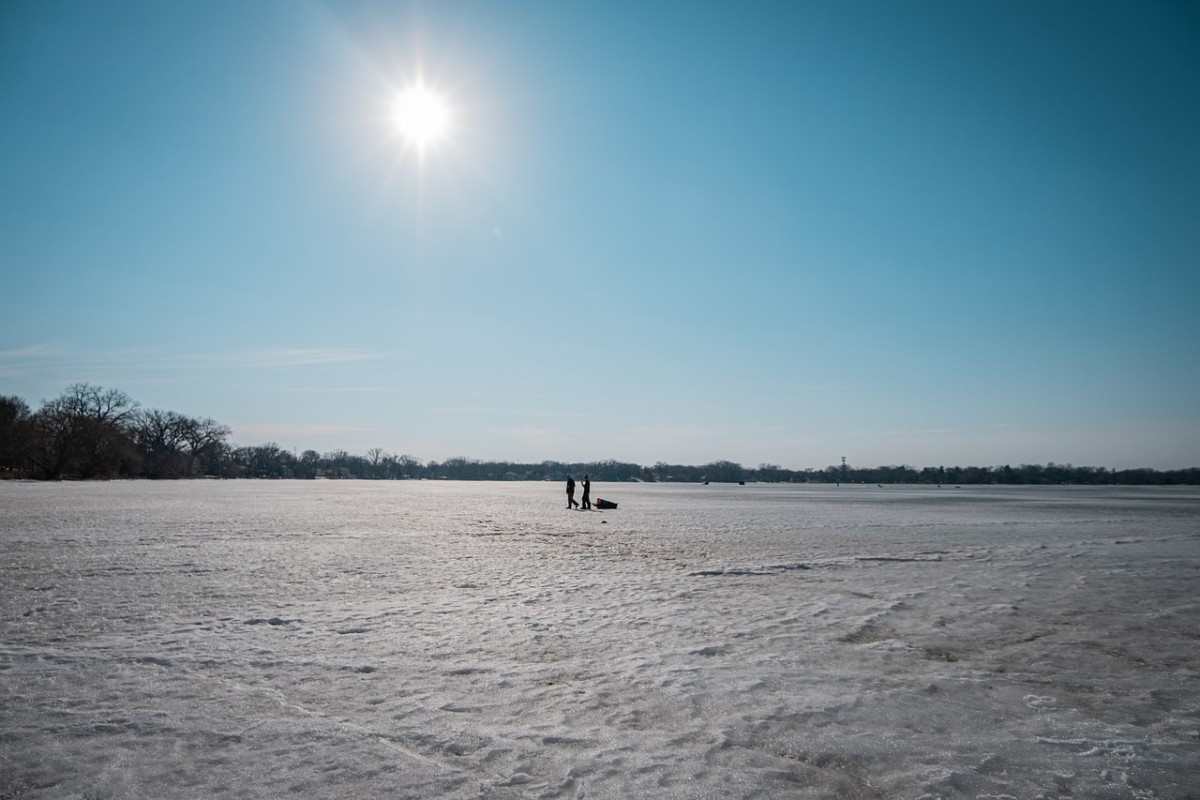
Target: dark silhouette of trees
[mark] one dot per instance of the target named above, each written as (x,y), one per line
(172,445)
(158,437)
(262,461)
(724,472)
(16,436)
(204,439)
(93,432)
(83,433)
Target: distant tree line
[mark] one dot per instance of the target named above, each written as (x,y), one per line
(90,432)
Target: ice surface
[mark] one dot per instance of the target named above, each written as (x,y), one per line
(471,640)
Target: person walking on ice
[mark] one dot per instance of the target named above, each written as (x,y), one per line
(571,503)
(587,493)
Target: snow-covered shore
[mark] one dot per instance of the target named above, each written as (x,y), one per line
(472,640)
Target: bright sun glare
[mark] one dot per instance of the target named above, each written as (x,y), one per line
(421,116)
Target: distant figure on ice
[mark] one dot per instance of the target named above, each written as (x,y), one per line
(571,492)
(587,493)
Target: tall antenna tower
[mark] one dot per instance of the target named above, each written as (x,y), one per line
(844,469)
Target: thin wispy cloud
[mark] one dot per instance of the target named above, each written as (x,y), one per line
(260,431)
(32,351)
(341,389)
(20,361)
(157,359)
(302,357)
(920,432)
(494,411)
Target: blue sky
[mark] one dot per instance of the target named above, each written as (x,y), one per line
(924,233)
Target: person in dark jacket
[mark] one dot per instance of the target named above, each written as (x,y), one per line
(571,503)
(587,493)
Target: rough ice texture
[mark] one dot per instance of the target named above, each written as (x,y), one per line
(470,640)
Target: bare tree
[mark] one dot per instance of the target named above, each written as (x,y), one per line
(408,465)
(110,406)
(202,437)
(16,434)
(375,457)
(83,432)
(159,437)
(267,460)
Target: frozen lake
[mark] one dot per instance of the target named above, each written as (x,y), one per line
(477,640)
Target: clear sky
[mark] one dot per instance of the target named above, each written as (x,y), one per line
(900,232)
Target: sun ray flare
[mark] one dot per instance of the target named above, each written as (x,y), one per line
(421,117)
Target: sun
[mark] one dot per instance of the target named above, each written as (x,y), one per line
(421,116)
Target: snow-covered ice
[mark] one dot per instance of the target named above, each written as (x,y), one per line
(472,640)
